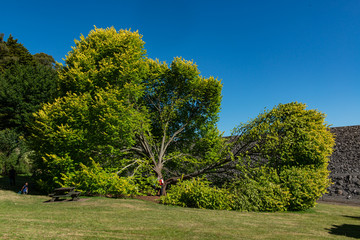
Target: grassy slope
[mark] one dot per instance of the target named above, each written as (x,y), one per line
(28,217)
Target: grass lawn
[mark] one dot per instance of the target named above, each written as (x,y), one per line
(31,217)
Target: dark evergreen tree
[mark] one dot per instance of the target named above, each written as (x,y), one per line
(12,52)
(23,88)
(26,81)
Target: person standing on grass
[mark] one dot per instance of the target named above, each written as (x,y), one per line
(25,189)
(12,175)
(161,182)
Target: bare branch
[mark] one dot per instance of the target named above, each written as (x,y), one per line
(127,166)
(135,170)
(144,143)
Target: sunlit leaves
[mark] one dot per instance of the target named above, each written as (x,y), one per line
(288,135)
(105,57)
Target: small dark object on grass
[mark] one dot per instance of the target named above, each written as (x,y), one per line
(64,192)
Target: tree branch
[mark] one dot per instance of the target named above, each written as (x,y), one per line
(145,145)
(126,167)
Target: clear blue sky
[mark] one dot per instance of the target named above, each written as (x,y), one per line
(265,52)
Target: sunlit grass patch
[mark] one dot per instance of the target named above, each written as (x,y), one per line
(30,217)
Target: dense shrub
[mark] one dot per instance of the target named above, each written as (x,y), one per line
(50,169)
(306,185)
(14,153)
(287,135)
(261,191)
(146,185)
(197,193)
(95,180)
(293,145)
(293,188)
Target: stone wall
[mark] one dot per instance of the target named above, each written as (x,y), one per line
(345,164)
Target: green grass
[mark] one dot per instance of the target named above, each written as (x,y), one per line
(30,217)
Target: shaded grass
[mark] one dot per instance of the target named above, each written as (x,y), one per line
(19,182)
(28,217)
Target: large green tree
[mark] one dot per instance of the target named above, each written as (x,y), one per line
(26,82)
(125,110)
(183,111)
(98,116)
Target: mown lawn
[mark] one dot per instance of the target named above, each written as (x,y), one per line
(31,217)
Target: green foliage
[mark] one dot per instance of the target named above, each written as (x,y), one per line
(104,58)
(260,190)
(183,109)
(26,76)
(176,94)
(24,85)
(306,185)
(196,193)
(293,145)
(26,82)
(83,126)
(293,189)
(13,152)
(95,180)
(98,117)
(119,106)
(23,89)
(146,185)
(286,152)
(44,59)
(12,52)
(49,171)
(287,135)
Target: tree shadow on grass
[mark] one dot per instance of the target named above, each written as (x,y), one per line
(348,230)
(353,217)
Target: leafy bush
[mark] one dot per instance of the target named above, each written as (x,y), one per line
(14,152)
(261,191)
(306,185)
(287,135)
(293,145)
(294,189)
(197,193)
(95,180)
(48,176)
(146,185)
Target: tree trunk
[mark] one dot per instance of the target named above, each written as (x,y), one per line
(163,191)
